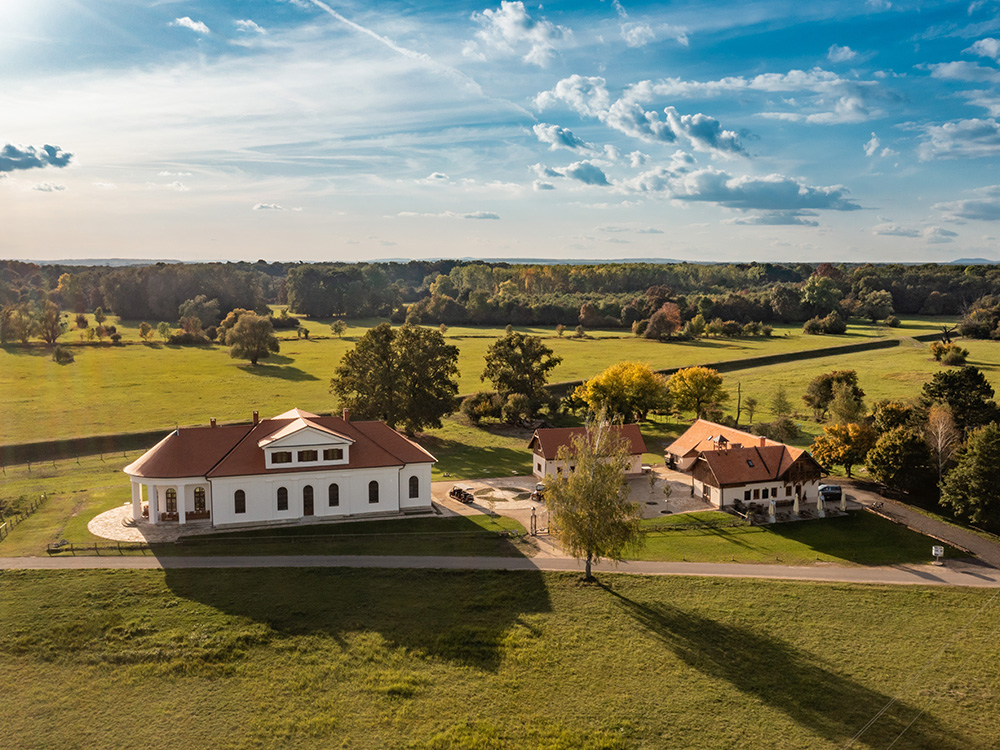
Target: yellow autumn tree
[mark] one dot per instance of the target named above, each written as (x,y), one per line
(627,391)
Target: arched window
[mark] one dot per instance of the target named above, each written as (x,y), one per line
(307,493)
(414,487)
(334,495)
(373,491)
(240,502)
(199,499)
(282,498)
(171,500)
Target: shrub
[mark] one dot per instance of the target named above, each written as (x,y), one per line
(116,338)
(62,355)
(481,405)
(892,321)
(813,326)
(185,338)
(955,355)
(639,327)
(834,323)
(766,331)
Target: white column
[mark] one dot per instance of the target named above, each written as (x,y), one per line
(181,505)
(136,501)
(154,506)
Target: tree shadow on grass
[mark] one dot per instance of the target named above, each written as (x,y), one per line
(458,616)
(787,679)
(277,371)
(859,537)
(458,459)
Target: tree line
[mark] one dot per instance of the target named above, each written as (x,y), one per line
(479,292)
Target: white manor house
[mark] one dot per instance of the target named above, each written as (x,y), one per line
(295,466)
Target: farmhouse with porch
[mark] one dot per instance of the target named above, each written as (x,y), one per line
(293,467)
(727,466)
(546,442)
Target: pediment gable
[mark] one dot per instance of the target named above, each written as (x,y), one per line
(300,432)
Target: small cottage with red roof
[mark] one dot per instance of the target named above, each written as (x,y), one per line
(292,467)
(727,465)
(546,442)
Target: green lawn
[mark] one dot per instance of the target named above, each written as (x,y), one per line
(76,492)
(373,659)
(150,386)
(859,538)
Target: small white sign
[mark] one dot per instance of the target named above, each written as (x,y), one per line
(937,551)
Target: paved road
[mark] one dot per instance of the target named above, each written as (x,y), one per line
(983,548)
(954,573)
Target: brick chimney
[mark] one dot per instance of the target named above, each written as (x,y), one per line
(256,417)
(763,441)
(347,415)
(212,421)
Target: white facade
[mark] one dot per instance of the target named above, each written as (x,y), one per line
(261,494)
(544,468)
(294,467)
(779,492)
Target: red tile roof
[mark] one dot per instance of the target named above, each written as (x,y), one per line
(704,436)
(738,466)
(547,441)
(233,450)
(188,452)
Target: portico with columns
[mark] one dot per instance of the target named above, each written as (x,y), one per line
(184,500)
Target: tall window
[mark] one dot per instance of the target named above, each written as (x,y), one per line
(373,491)
(414,487)
(282,498)
(240,502)
(171,501)
(333,454)
(334,495)
(281,457)
(307,493)
(199,499)
(305,456)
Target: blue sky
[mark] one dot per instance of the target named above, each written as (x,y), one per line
(329,130)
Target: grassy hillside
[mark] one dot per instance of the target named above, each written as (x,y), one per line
(147,386)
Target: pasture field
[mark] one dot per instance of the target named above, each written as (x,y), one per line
(432,660)
(140,386)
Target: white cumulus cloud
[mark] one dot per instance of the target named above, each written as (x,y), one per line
(48,187)
(986,48)
(249,26)
(559,137)
(837,54)
(983,206)
(510,30)
(961,139)
(187,23)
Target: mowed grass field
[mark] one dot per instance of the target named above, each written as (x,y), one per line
(426,660)
(151,386)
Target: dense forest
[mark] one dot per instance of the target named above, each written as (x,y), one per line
(453,292)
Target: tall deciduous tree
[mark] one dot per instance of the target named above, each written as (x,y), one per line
(664,323)
(966,392)
(519,364)
(252,338)
(406,378)
(49,323)
(627,390)
(592,516)
(844,444)
(901,460)
(697,389)
(943,437)
(972,488)
(819,392)
(846,406)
